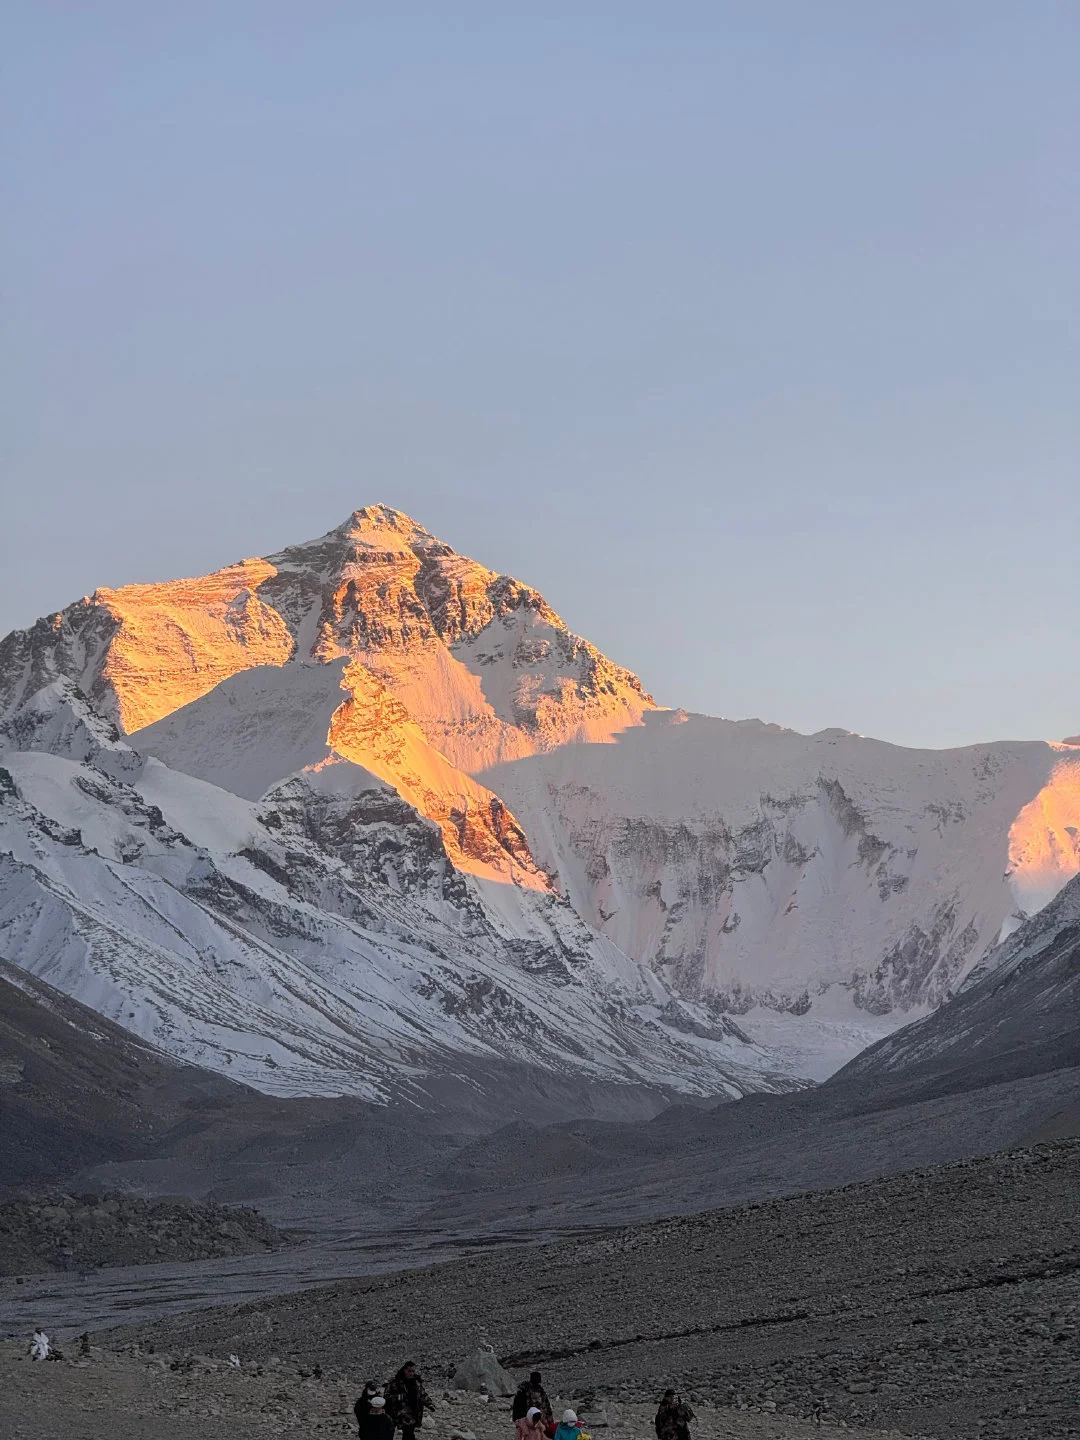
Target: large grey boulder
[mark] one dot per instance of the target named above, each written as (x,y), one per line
(482,1371)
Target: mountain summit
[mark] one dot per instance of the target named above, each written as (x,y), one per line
(452,667)
(486,667)
(481,661)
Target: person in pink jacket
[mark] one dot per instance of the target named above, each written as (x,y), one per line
(531,1425)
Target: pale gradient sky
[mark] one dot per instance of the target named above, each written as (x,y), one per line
(749,333)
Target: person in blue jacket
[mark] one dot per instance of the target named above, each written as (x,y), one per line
(568,1428)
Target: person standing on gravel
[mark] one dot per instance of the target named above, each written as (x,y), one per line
(673,1418)
(376,1424)
(362,1408)
(531,1425)
(406,1400)
(531,1392)
(569,1427)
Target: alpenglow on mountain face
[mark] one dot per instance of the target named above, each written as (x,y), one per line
(365,811)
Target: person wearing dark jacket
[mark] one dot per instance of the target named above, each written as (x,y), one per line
(673,1418)
(362,1408)
(406,1400)
(376,1424)
(529,1393)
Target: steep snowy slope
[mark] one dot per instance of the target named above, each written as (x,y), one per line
(262,725)
(320,941)
(797,872)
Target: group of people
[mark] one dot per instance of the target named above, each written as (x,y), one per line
(402,1407)
(533,1418)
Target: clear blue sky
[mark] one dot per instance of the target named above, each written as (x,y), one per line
(749,333)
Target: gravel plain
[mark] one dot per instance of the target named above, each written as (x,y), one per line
(943,1302)
(104,1396)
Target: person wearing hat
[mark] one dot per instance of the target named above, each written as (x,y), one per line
(377,1424)
(569,1428)
(362,1408)
(531,1425)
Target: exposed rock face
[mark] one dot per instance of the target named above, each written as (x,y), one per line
(481,1371)
(726,855)
(82,1232)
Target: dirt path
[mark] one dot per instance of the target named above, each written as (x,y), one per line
(129,1397)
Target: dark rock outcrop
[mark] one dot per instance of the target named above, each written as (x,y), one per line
(84,1232)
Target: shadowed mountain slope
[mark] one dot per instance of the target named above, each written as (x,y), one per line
(77,1090)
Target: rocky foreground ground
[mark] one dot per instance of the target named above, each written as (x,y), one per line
(131,1396)
(943,1302)
(81,1232)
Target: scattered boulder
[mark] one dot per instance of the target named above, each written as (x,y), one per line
(482,1371)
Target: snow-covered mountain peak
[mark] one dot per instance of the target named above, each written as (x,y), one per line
(378,520)
(371,534)
(369,755)
(480,660)
(483,664)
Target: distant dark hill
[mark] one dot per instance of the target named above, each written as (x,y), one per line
(76,1090)
(84,1102)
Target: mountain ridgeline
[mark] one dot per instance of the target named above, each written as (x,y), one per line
(364,812)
